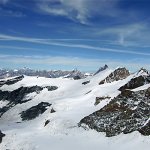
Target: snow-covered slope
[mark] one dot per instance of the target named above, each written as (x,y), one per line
(44,113)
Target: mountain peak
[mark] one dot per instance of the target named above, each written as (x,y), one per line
(143,71)
(101,69)
(117,74)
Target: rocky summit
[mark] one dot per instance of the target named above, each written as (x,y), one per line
(118,74)
(101,69)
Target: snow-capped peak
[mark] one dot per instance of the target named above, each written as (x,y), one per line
(143,72)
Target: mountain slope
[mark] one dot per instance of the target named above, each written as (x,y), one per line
(126,113)
(44,113)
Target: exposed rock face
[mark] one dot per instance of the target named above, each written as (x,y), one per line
(99,99)
(52,110)
(101,69)
(76,77)
(145,130)
(136,82)
(51,88)
(34,111)
(118,74)
(11,81)
(86,82)
(1,136)
(126,113)
(46,122)
(18,96)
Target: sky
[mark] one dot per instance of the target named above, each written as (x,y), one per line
(69,34)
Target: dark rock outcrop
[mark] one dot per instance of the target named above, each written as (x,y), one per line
(126,113)
(51,88)
(99,99)
(18,96)
(46,122)
(76,77)
(1,136)
(86,82)
(34,111)
(11,81)
(145,130)
(136,82)
(118,74)
(52,110)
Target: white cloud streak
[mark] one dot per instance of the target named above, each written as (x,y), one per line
(78,10)
(82,46)
(18,48)
(127,35)
(71,9)
(4,1)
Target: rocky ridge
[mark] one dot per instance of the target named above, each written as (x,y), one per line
(118,74)
(101,69)
(128,112)
(18,96)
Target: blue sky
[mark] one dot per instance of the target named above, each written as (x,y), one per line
(68,34)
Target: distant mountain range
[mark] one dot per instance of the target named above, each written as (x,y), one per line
(76,74)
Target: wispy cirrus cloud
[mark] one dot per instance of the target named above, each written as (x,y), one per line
(18,48)
(65,44)
(73,10)
(126,35)
(78,10)
(135,34)
(4,1)
(123,32)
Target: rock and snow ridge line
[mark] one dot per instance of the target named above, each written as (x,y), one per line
(59,111)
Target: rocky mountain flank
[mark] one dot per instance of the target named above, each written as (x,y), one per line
(128,112)
(101,69)
(118,74)
(18,96)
